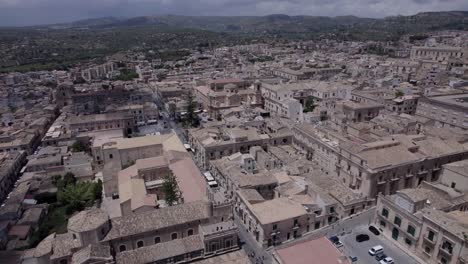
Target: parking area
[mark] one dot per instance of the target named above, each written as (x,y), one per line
(154,129)
(360,249)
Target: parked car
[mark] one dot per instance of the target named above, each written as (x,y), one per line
(338,244)
(380,256)
(387,260)
(353,259)
(362,237)
(334,239)
(376,250)
(374,230)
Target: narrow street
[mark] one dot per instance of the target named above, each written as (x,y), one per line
(259,255)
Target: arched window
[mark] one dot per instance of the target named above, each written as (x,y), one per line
(174,236)
(157,240)
(140,243)
(190,232)
(122,248)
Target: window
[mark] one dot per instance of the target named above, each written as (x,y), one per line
(275,226)
(385,212)
(408,241)
(111,156)
(174,236)
(295,222)
(453,185)
(157,240)
(317,225)
(122,248)
(430,236)
(140,243)
(411,230)
(397,221)
(395,233)
(332,210)
(447,246)
(427,249)
(382,223)
(190,232)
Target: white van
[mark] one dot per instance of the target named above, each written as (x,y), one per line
(213,184)
(375,250)
(208,176)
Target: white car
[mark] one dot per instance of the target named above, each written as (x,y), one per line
(387,260)
(338,244)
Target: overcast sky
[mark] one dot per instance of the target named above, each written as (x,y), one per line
(34,12)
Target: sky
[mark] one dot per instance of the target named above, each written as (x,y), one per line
(38,12)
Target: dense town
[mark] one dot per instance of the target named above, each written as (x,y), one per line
(278,152)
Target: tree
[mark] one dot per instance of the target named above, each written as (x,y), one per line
(172,109)
(309,105)
(170,189)
(191,118)
(69,179)
(399,93)
(77,196)
(78,146)
(56,179)
(98,190)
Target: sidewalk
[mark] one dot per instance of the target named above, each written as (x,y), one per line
(403,249)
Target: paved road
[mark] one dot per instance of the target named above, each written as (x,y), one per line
(360,250)
(261,255)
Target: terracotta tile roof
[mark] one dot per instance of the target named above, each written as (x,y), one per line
(157,219)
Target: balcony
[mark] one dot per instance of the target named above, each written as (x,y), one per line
(275,233)
(428,254)
(296,227)
(446,251)
(422,172)
(432,242)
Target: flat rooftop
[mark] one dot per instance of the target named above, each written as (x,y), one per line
(460,100)
(277,210)
(318,251)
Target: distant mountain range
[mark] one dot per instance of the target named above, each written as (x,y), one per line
(30,48)
(279,23)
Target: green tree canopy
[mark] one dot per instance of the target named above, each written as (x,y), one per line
(75,197)
(399,93)
(191,118)
(79,146)
(170,190)
(309,105)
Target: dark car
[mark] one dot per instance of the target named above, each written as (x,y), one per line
(334,239)
(362,237)
(353,259)
(380,256)
(374,230)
